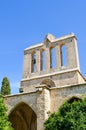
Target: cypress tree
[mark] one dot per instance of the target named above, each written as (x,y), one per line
(5,88)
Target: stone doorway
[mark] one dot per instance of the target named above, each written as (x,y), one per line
(23,117)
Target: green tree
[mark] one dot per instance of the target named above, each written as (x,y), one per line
(5,88)
(71,116)
(4,123)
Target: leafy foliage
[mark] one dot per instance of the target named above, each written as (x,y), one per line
(4,123)
(71,116)
(5,88)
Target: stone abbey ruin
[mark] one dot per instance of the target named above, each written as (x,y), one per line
(51,75)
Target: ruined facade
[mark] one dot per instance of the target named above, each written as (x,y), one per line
(51,75)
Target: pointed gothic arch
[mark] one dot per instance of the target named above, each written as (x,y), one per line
(23,117)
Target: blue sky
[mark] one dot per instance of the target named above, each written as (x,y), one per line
(26,22)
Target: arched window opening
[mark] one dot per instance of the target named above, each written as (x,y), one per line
(50,83)
(33,62)
(43,60)
(63,56)
(52,57)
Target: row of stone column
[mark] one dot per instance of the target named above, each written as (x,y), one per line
(72,58)
(28,63)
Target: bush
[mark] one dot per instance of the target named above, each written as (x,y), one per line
(71,116)
(4,123)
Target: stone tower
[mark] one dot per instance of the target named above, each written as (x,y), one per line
(51,75)
(36,72)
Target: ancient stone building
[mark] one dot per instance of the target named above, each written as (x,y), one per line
(51,75)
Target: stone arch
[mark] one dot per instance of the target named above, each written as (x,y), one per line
(71,99)
(74,98)
(23,117)
(48,82)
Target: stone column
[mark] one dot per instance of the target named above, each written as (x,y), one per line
(38,60)
(27,64)
(43,106)
(47,102)
(76,54)
(72,54)
(40,109)
(58,56)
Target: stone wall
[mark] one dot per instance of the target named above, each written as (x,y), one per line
(60,95)
(41,102)
(44,91)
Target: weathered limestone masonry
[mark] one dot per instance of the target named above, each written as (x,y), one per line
(48,80)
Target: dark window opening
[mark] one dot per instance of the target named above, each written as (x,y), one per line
(34,62)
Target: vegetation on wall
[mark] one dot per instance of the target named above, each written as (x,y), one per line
(5,88)
(4,123)
(71,116)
